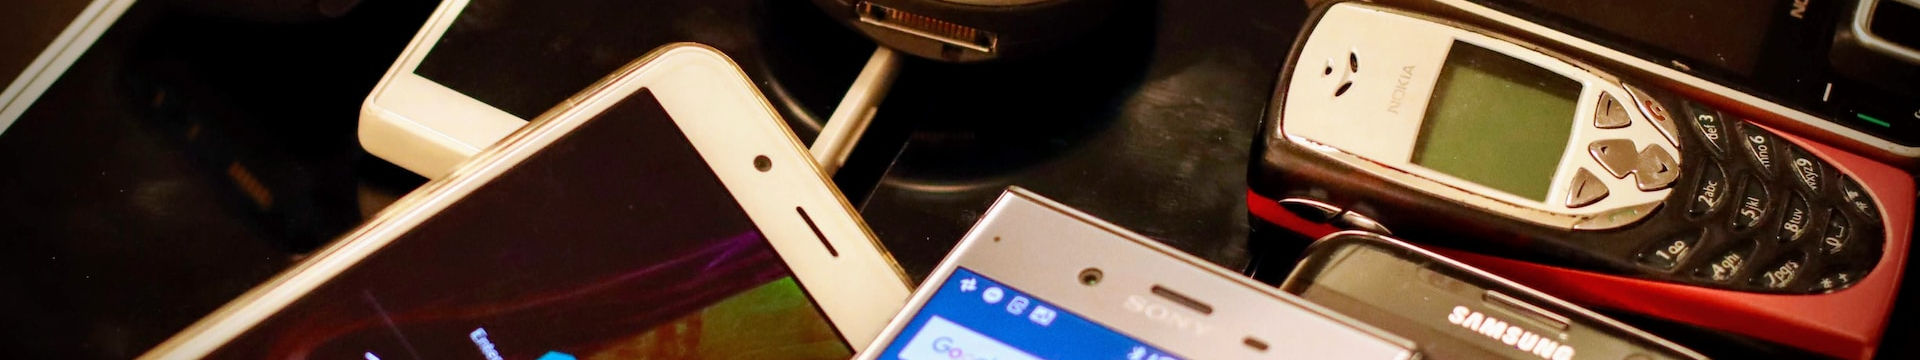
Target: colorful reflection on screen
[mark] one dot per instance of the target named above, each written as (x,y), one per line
(573,254)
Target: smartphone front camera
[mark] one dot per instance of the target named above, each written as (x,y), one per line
(1090,277)
(762,163)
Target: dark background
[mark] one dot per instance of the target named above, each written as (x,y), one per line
(203,145)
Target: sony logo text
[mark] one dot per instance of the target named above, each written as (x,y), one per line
(1166,315)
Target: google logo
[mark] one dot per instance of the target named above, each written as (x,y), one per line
(945,345)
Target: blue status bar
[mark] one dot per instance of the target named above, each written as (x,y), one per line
(972,317)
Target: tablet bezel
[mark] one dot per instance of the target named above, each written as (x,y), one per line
(728,122)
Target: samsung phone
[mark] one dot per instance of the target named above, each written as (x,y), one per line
(1037,280)
(665,212)
(1454,311)
(1628,191)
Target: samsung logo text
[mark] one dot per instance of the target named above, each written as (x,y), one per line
(1509,334)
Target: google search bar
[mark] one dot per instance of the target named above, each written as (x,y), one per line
(940,339)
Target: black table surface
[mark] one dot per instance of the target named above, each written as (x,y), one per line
(126,218)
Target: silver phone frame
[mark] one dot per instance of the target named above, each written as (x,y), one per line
(1040,246)
(729,123)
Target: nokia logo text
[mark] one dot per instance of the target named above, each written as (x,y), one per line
(1399,90)
(1509,334)
(1167,315)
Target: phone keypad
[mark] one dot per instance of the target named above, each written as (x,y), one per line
(1807,170)
(1835,238)
(1707,123)
(1665,255)
(1723,267)
(1762,148)
(1836,281)
(1709,192)
(1794,220)
(1781,273)
(1858,200)
(1763,214)
(1752,205)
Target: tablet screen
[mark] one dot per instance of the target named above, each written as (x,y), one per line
(974,317)
(616,241)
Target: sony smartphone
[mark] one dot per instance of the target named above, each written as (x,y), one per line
(1627,193)
(1037,280)
(665,212)
(1454,311)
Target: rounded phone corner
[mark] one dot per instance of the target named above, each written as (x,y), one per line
(412,146)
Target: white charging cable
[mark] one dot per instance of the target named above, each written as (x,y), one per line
(855,111)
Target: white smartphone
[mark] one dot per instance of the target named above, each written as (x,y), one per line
(478,69)
(666,211)
(1037,280)
(421,124)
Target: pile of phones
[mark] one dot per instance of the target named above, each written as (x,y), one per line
(1539,173)
(1035,279)
(1591,174)
(746,252)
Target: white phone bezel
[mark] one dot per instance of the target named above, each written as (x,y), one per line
(728,122)
(1040,247)
(1360,129)
(424,126)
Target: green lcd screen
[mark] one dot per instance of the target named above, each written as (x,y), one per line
(1497,121)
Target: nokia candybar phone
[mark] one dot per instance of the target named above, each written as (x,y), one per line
(1454,311)
(1388,119)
